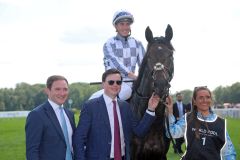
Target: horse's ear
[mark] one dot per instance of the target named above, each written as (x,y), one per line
(148,35)
(169,33)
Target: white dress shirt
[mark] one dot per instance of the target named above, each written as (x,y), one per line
(109,104)
(69,127)
(180,108)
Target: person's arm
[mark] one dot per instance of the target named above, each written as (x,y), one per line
(132,75)
(228,152)
(81,134)
(34,131)
(141,53)
(111,60)
(140,129)
(177,130)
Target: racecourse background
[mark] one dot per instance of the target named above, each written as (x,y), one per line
(228,112)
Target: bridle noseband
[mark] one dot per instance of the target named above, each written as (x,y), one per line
(156,68)
(160,67)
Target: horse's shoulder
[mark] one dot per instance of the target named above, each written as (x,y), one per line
(123,103)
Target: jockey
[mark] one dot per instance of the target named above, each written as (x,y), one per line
(123,52)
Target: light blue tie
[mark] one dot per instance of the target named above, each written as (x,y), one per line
(65,132)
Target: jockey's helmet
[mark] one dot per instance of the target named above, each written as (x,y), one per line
(122,15)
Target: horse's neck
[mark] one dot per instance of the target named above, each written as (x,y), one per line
(144,83)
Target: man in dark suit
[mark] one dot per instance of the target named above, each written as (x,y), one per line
(95,136)
(49,127)
(179,109)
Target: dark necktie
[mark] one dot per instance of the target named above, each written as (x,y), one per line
(117,142)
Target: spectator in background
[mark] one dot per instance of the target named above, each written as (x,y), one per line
(179,109)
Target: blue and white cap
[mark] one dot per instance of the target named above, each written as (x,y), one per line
(122,15)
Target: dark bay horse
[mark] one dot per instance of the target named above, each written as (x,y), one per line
(155,74)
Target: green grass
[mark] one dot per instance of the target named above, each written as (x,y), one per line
(12,138)
(233,128)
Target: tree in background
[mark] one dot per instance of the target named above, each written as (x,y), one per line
(26,97)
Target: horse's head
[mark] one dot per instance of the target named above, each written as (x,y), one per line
(155,72)
(159,61)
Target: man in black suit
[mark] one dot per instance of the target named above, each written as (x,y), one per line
(179,109)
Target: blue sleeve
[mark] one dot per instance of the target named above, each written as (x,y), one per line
(228,151)
(177,130)
(80,134)
(34,132)
(141,53)
(140,129)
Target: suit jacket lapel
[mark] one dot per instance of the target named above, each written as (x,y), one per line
(103,109)
(53,119)
(123,118)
